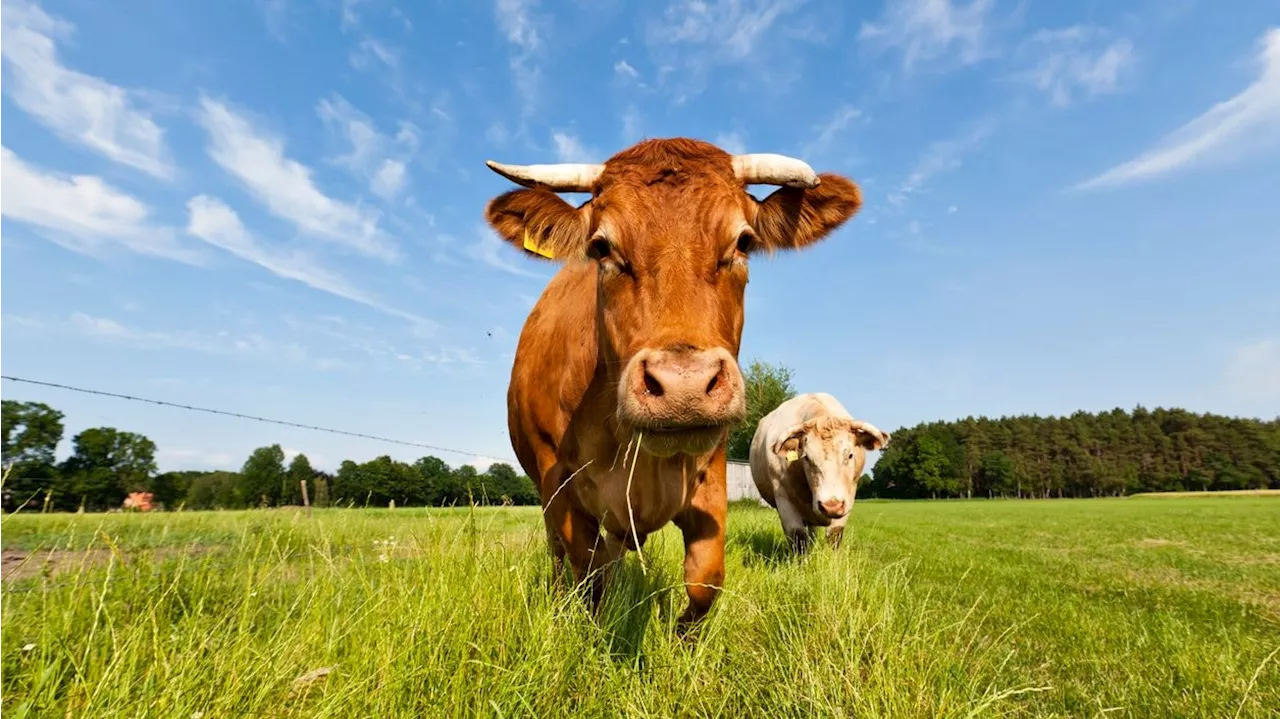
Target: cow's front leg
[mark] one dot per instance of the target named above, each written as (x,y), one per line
(793,526)
(703,526)
(835,532)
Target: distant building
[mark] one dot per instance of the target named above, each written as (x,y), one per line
(140,501)
(739,482)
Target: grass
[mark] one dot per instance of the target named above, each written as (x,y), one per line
(1061,608)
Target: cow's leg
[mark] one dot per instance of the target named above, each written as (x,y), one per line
(835,532)
(552,479)
(703,526)
(793,526)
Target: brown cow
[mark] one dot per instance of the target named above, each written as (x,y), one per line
(625,379)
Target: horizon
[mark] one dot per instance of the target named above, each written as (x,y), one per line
(278,211)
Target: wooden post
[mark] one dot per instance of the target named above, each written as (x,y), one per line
(306,501)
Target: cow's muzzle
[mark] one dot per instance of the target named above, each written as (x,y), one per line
(683,398)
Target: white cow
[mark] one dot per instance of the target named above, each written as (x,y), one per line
(806,458)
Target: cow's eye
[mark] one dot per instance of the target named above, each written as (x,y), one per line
(746,241)
(598,248)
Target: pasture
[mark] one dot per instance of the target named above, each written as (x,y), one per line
(1132,607)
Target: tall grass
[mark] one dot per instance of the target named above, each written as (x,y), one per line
(453,613)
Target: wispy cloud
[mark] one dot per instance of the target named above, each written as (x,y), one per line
(220,343)
(1244,125)
(217,224)
(83,213)
(734,143)
(492,251)
(373,343)
(371,52)
(694,36)
(171,460)
(827,133)
(377,158)
(79,108)
(1073,60)
(516,20)
(570,149)
(286,188)
(1253,371)
(941,157)
(929,30)
(623,68)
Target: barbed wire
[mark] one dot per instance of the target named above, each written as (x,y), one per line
(240,415)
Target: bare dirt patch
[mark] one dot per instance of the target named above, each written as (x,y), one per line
(18,564)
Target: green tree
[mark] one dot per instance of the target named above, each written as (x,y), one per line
(767,386)
(105,465)
(214,490)
(32,431)
(263,477)
(300,470)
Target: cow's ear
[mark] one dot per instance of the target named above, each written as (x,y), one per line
(788,445)
(794,217)
(538,223)
(869,436)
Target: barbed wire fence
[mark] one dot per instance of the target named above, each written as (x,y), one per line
(240,415)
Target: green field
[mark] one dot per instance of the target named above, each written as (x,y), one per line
(1066,608)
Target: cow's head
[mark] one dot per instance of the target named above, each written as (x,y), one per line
(670,226)
(832,451)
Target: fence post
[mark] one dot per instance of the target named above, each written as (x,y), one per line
(306,501)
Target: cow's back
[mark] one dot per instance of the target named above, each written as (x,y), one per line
(554,363)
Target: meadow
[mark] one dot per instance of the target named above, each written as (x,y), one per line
(1136,607)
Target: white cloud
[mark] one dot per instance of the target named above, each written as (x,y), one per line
(371,52)
(377,158)
(730,26)
(828,131)
(79,108)
(1253,371)
(700,34)
(632,125)
(622,67)
(733,143)
(83,213)
(491,250)
(927,30)
(219,343)
(570,149)
(215,223)
(172,460)
(517,24)
(1076,59)
(943,156)
(1242,126)
(286,188)
(389,180)
(521,28)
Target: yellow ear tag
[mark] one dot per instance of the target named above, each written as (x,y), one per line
(531,245)
(792,455)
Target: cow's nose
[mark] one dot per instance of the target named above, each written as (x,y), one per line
(685,386)
(833,508)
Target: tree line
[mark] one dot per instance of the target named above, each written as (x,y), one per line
(107,464)
(1084,455)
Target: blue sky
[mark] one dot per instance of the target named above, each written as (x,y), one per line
(275,207)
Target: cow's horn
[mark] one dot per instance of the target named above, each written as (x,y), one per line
(563,177)
(768,169)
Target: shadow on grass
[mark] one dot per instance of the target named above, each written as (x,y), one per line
(632,603)
(762,546)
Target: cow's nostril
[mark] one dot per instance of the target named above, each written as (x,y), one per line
(651,384)
(711,386)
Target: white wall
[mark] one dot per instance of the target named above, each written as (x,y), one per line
(740,483)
